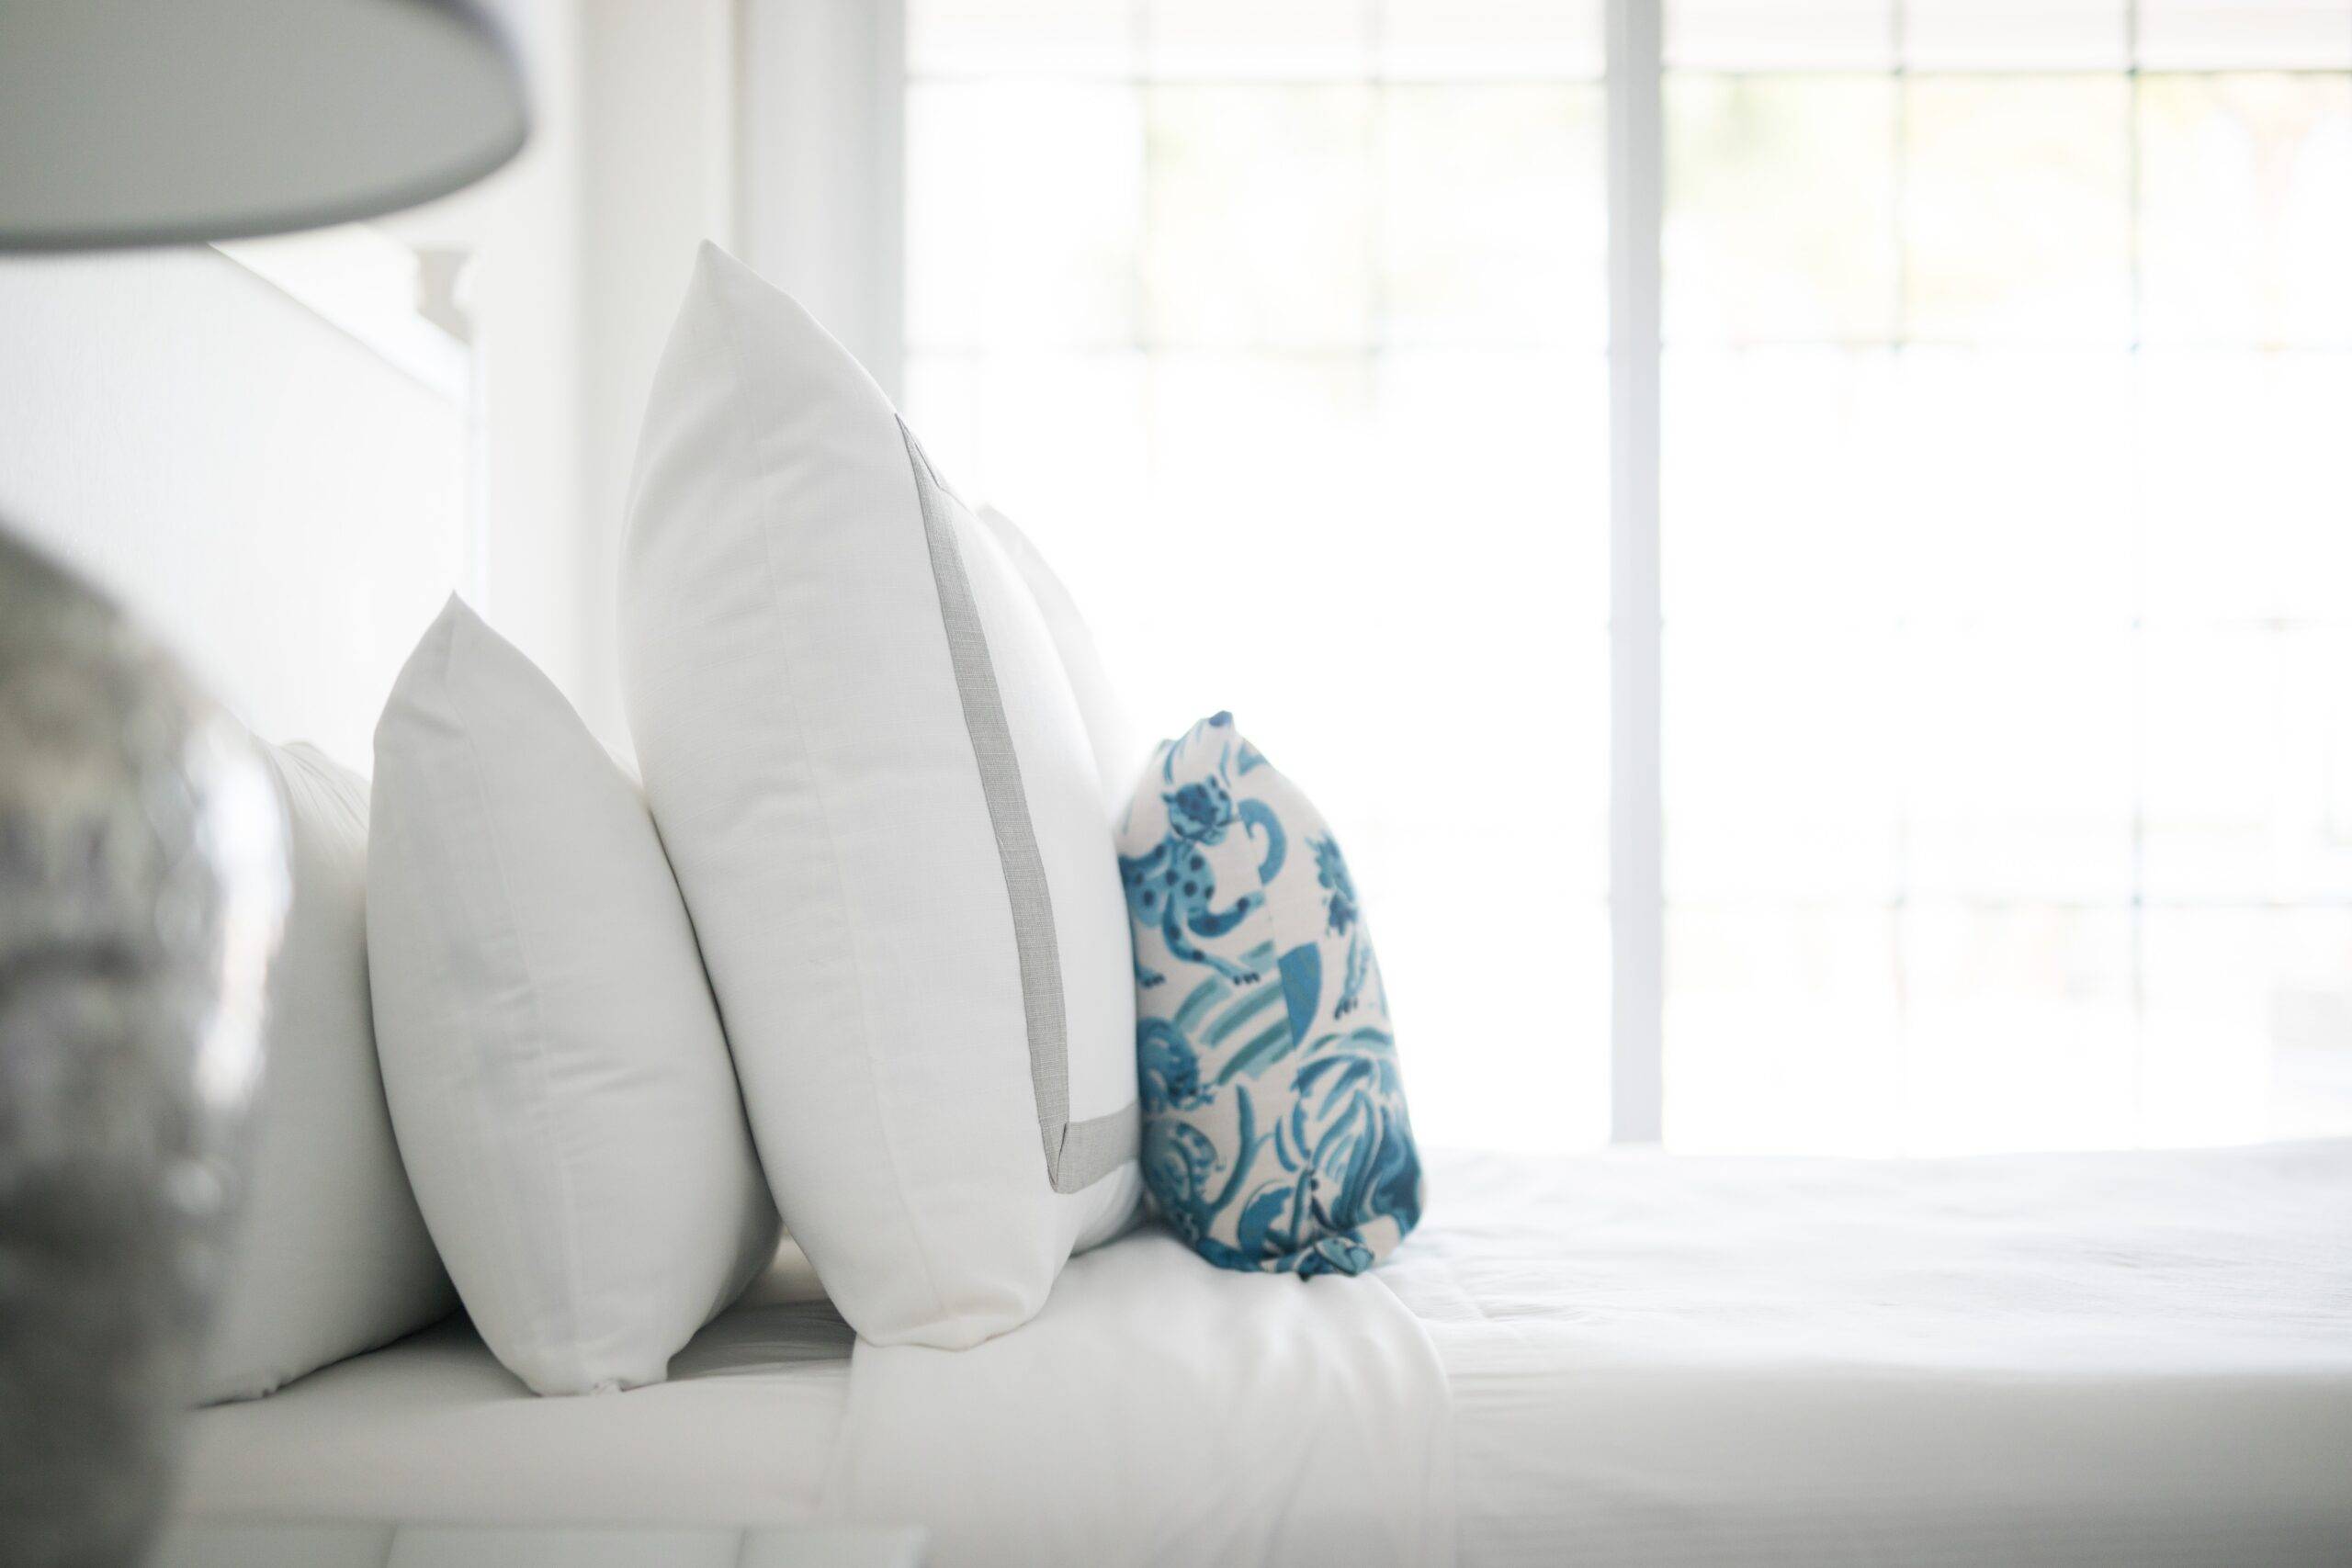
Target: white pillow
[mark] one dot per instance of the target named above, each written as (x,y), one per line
(332,1257)
(558,1077)
(1120,751)
(874,781)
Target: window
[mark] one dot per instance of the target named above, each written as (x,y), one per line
(2003,617)
(1283,330)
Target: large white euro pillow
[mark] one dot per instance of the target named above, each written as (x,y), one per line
(874,781)
(558,1083)
(331,1256)
(1120,749)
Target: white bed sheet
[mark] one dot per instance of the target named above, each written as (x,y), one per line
(2126,1359)
(432,1429)
(1160,1412)
(2052,1359)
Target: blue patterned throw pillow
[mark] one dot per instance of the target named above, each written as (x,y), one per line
(1274,1133)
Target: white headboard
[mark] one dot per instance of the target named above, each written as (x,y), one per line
(285,503)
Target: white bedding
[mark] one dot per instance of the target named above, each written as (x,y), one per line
(433,1429)
(2063,1360)
(1160,1411)
(2124,1358)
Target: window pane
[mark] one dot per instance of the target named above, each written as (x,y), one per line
(1321,478)
(1491,654)
(2020,1029)
(1490,39)
(1779,35)
(2246,209)
(1258,462)
(947,387)
(1778,502)
(2016,223)
(2012,495)
(1307,308)
(2245,488)
(2249,1024)
(1505,454)
(2193,35)
(1779,218)
(2020,765)
(1462,1035)
(1056,439)
(1783,764)
(1031,37)
(1782,1026)
(1491,215)
(2013,35)
(2249,765)
(997,253)
(1227,39)
(1260,213)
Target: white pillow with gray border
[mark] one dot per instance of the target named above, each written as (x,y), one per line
(870,769)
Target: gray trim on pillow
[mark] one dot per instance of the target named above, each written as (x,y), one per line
(1078,1154)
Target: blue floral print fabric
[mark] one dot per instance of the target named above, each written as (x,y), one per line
(1274,1132)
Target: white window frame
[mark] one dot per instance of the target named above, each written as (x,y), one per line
(1636,150)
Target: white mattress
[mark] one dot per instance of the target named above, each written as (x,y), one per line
(2109,1358)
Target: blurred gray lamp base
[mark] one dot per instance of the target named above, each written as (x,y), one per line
(141,883)
(142,855)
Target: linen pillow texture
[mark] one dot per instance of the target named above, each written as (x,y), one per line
(557,1079)
(1275,1135)
(331,1256)
(872,775)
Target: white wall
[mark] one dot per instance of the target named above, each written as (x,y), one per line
(281,505)
(657,177)
(522,293)
(579,252)
(582,248)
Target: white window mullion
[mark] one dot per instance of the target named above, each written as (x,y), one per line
(1636,837)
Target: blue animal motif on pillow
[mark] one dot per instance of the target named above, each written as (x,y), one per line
(1274,1133)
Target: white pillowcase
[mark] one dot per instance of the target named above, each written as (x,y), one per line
(331,1256)
(874,781)
(1119,750)
(557,1078)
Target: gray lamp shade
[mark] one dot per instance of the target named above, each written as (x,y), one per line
(132,122)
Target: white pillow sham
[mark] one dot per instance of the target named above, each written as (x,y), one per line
(874,781)
(557,1079)
(331,1256)
(1119,750)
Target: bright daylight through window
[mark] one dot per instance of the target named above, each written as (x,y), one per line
(2004,518)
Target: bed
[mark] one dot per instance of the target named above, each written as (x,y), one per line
(2140,1358)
